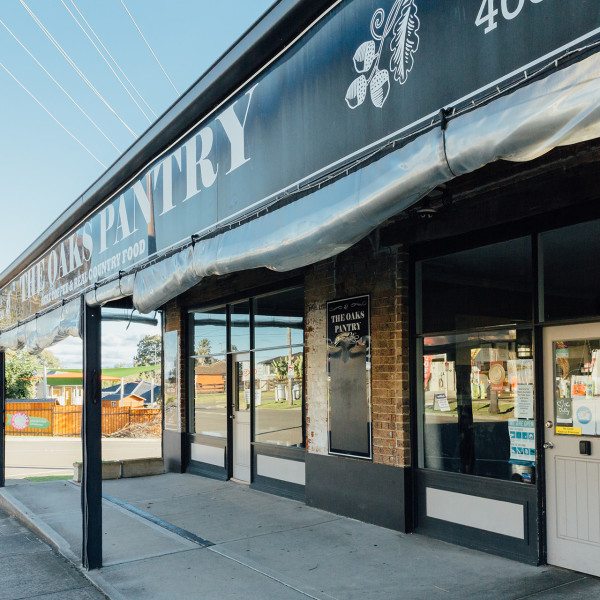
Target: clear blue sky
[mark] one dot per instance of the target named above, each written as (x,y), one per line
(42,169)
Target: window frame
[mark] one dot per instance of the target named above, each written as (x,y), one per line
(251,299)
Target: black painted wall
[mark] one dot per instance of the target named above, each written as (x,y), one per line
(174,451)
(359,489)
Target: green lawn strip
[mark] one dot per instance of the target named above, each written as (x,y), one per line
(480,407)
(267,401)
(50,478)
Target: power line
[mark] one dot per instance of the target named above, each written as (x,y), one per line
(74,66)
(149,48)
(60,86)
(54,118)
(114,60)
(106,61)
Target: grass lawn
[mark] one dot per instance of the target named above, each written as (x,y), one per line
(267,401)
(50,478)
(480,408)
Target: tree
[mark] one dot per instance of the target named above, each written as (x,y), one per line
(21,371)
(203,349)
(148,351)
(48,360)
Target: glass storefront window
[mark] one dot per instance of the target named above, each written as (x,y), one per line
(240,326)
(577,387)
(210,332)
(278,395)
(210,395)
(478,404)
(570,271)
(482,287)
(279,319)
(276,325)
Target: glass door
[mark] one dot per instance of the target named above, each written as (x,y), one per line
(240,414)
(572,445)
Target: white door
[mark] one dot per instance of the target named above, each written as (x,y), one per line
(572,415)
(241,417)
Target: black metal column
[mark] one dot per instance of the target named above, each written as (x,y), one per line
(91,432)
(3,418)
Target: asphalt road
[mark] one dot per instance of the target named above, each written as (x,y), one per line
(283,426)
(36,456)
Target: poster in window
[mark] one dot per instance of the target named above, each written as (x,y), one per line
(171,383)
(349,369)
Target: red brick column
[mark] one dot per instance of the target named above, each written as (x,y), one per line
(383,274)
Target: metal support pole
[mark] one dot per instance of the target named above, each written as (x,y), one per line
(3,418)
(91,432)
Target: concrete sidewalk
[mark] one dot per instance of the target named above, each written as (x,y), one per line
(176,536)
(30,569)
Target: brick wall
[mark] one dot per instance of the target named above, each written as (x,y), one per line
(383,274)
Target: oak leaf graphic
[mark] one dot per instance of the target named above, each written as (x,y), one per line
(405,41)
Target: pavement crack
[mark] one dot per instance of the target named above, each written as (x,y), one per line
(268,575)
(118,563)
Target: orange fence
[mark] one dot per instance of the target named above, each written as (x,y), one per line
(49,419)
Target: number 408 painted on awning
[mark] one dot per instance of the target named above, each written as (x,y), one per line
(510,9)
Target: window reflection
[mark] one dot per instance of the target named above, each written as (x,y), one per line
(276,385)
(278,393)
(210,332)
(570,261)
(240,326)
(487,286)
(279,319)
(210,395)
(478,403)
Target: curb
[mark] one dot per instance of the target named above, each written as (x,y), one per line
(16,509)
(53,539)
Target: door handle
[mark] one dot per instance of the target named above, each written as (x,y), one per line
(547,445)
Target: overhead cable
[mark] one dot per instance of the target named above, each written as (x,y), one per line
(60,86)
(54,118)
(149,47)
(105,60)
(74,66)
(114,60)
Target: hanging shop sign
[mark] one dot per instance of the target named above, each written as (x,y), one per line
(367,73)
(348,369)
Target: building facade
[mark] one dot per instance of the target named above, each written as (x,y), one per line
(376,261)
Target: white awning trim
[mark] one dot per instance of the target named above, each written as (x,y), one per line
(45,330)
(316,227)
(112,290)
(561,109)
